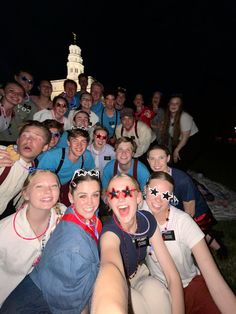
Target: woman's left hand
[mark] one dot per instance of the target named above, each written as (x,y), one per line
(176,156)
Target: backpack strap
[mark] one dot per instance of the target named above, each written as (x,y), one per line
(82,163)
(135,129)
(4,174)
(115,167)
(63,153)
(135,168)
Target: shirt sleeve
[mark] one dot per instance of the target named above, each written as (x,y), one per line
(145,138)
(186,122)
(69,279)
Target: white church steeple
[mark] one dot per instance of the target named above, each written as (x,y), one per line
(75,61)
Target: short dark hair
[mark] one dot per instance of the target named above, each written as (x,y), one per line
(51,123)
(71,82)
(78,132)
(82,75)
(158,146)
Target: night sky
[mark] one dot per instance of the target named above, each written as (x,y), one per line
(173,46)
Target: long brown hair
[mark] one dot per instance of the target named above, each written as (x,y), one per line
(176,123)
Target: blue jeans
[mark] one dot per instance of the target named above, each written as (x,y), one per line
(26,298)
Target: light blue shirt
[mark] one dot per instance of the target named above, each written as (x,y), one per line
(142,173)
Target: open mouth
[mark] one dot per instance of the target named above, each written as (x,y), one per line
(123,210)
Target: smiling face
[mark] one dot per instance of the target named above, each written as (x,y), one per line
(127,122)
(158,160)
(123,198)
(45,89)
(13,94)
(60,108)
(31,143)
(158,194)
(42,192)
(86,198)
(77,146)
(175,104)
(99,139)
(86,102)
(25,79)
(124,153)
(81,120)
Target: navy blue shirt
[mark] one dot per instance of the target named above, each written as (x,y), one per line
(131,254)
(185,190)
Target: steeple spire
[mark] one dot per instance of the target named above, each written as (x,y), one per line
(74,36)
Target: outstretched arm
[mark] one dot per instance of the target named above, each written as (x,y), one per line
(110,290)
(222,295)
(170,271)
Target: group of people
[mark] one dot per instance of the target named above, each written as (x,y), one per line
(61,162)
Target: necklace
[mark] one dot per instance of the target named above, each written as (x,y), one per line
(134,234)
(167,220)
(90,223)
(25,238)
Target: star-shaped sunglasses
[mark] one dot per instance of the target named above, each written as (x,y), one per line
(120,193)
(164,195)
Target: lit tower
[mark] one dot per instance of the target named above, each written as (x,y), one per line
(75,61)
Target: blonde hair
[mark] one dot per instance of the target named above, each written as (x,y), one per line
(124,175)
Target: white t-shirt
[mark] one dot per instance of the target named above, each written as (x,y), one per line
(17,255)
(186,124)
(45,114)
(187,235)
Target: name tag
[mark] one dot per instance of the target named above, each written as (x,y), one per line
(168,235)
(141,242)
(107,157)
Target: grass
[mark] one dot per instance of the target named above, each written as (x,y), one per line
(217,162)
(228,266)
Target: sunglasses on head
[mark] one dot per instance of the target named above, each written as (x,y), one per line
(31,82)
(61,105)
(55,134)
(100,136)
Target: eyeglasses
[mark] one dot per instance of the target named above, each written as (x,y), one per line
(55,134)
(25,79)
(117,193)
(100,136)
(61,105)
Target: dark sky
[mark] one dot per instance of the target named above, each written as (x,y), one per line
(174,46)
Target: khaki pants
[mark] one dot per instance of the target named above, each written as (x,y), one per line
(149,295)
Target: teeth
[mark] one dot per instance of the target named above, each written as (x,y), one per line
(122,206)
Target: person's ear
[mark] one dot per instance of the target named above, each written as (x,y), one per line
(70,197)
(45,147)
(168,158)
(25,195)
(139,197)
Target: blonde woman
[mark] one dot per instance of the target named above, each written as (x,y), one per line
(23,235)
